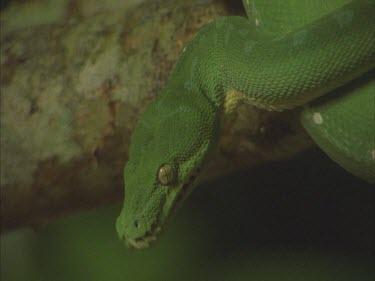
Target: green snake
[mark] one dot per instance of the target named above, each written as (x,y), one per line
(288,54)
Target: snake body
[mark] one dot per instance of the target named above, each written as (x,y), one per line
(276,61)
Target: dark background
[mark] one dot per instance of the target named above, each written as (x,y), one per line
(303,219)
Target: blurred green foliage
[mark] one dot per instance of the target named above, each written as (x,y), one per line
(305,219)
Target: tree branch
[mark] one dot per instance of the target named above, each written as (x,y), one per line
(73,83)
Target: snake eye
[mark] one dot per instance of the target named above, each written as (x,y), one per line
(165,174)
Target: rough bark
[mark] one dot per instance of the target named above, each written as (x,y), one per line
(74,77)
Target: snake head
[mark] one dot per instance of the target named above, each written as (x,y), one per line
(167,150)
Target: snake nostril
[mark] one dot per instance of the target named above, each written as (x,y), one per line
(136,224)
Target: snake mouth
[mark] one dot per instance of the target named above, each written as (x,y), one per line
(150,236)
(185,191)
(145,241)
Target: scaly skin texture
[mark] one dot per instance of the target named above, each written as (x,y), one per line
(286,55)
